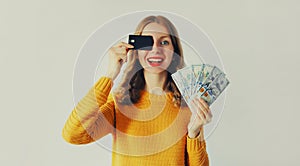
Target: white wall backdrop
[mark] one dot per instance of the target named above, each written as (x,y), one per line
(258,41)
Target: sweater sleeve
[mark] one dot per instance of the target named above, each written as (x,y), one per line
(196,151)
(93,116)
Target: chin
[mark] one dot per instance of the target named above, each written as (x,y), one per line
(156,70)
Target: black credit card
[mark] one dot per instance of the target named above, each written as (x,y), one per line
(141,42)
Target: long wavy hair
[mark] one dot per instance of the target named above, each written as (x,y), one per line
(133,80)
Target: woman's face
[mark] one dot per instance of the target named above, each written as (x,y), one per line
(160,57)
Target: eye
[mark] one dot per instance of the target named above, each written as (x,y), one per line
(165,42)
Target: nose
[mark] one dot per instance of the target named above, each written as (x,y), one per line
(156,47)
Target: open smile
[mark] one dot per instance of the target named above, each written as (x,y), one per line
(155,61)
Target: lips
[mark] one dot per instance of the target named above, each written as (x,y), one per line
(155,61)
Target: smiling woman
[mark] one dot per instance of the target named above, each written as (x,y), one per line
(149,122)
(159,58)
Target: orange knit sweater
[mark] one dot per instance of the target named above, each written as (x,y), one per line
(150,132)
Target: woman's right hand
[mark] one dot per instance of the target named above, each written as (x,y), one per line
(117,57)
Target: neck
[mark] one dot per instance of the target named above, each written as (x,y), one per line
(155,82)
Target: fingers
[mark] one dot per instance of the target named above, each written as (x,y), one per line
(123,47)
(123,44)
(129,55)
(117,57)
(197,111)
(206,108)
(120,51)
(202,110)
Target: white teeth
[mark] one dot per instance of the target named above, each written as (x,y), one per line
(154,60)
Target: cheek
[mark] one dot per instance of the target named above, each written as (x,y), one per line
(169,55)
(141,53)
(141,60)
(170,59)
(141,56)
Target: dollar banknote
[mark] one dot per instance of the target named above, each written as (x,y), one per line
(187,76)
(180,85)
(215,89)
(206,69)
(215,72)
(197,70)
(201,81)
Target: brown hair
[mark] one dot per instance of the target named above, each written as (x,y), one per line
(133,81)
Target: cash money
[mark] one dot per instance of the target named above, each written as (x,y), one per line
(215,89)
(202,81)
(204,75)
(187,76)
(215,72)
(197,70)
(180,84)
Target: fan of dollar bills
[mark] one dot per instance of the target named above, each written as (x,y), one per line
(204,81)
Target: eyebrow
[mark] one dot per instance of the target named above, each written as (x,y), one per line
(164,36)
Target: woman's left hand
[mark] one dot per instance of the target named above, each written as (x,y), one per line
(201,115)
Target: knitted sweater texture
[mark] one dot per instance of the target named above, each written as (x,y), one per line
(150,132)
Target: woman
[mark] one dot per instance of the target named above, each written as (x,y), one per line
(149,122)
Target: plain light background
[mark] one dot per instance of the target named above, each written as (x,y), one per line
(258,41)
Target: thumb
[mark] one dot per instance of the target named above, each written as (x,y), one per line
(130,56)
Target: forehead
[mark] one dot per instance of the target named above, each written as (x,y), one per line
(155,28)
